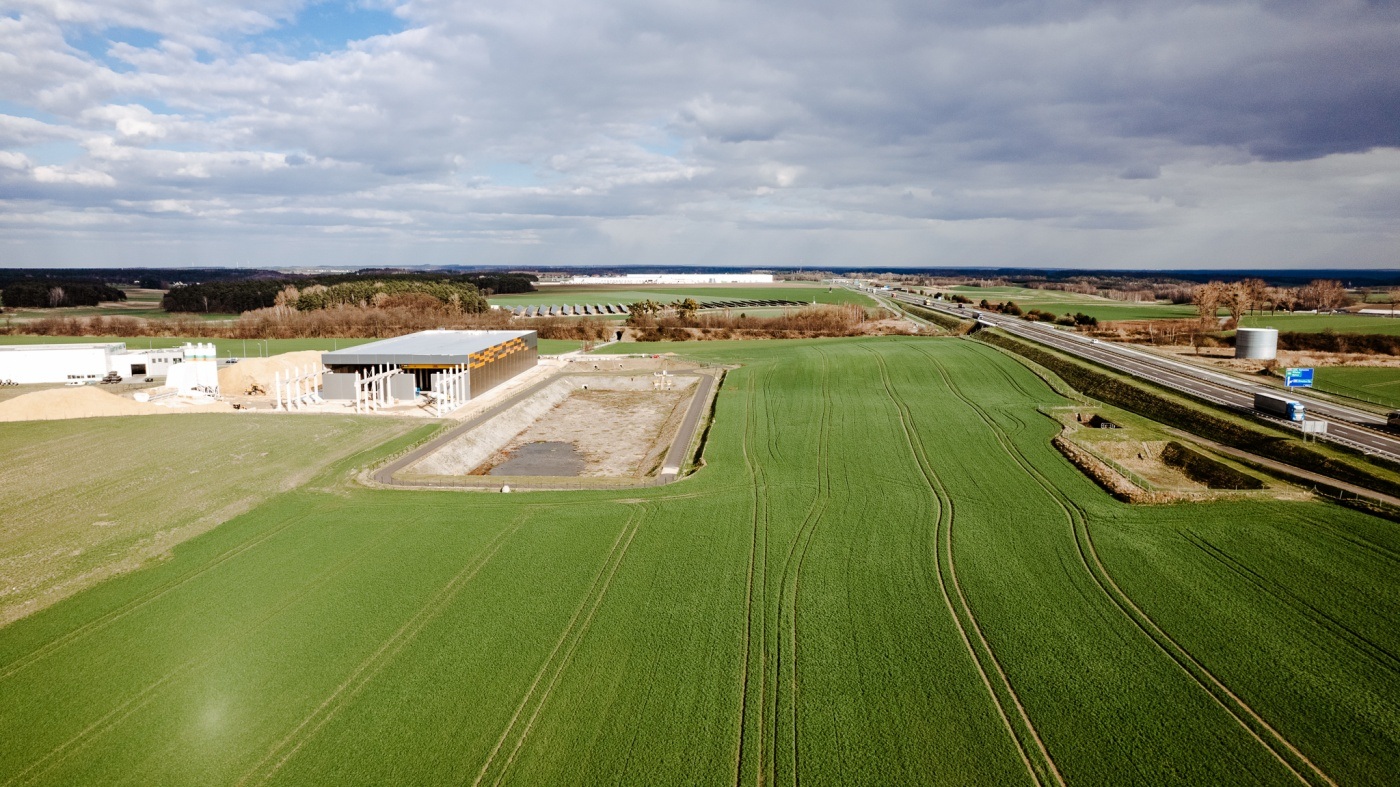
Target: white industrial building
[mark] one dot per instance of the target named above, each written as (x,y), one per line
(675,278)
(63,363)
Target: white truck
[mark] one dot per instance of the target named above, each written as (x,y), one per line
(1280,406)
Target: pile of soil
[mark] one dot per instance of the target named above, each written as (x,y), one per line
(239,378)
(84,402)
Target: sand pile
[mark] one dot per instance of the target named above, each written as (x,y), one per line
(237,378)
(84,402)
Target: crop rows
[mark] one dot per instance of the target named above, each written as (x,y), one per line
(884,574)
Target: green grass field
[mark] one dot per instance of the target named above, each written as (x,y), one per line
(1313,323)
(1376,384)
(884,574)
(580,294)
(85,498)
(1060,302)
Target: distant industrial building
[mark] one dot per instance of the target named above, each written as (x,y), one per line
(675,278)
(452,366)
(64,363)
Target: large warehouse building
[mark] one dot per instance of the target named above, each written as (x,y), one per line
(66,363)
(462,364)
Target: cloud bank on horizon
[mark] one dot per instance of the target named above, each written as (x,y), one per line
(1065,133)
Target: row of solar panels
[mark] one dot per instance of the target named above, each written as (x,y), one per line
(569,311)
(594,309)
(736,304)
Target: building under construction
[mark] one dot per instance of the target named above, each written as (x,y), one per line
(444,365)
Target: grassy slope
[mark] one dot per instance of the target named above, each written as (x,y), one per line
(1377,384)
(87,497)
(789,611)
(559,296)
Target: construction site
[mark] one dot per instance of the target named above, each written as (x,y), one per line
(524,421)
(610,421)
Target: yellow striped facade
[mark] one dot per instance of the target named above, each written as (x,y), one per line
(496,353)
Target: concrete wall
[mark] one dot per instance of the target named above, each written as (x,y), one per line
(403,387)
(338,386)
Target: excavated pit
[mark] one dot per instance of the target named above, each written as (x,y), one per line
(595,425)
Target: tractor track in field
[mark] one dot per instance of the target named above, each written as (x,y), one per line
(1250,720)
(130,606)
(768,688)
(370,667)
(124,710)
(1360,642)
(943,540)
(797,555)
(572,635)
(753,659)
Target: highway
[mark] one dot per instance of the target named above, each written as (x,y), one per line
(1349,426)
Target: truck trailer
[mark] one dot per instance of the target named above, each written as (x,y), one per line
(1278,405)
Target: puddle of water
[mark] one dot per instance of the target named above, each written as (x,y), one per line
(544,458)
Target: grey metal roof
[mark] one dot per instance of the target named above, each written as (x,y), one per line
(433,347)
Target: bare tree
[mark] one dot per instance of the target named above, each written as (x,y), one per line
(1331,295)
(56,296)
(1394,294)
(1258,292)
(1323,294)
(1207,299)
(1234,297)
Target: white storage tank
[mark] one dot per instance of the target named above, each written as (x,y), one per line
(1256,343)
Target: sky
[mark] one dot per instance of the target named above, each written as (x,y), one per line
(887,133)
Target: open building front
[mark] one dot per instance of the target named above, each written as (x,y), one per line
(449,367)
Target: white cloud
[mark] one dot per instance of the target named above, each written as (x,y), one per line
(953,133)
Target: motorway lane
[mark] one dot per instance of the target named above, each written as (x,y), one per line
(1345,425)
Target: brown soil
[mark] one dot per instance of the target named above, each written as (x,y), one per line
(620,433)
(237,378)
(1144,457)
(619,423)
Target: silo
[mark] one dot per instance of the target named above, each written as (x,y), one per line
(1256,343)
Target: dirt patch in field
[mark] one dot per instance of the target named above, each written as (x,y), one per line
(83,402)
(1144,457)
(594,426)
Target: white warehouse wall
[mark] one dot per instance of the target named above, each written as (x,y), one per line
(59,363)
(676,278)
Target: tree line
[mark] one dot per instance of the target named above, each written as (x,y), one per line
(1250,295)
(236,297)
(53,293)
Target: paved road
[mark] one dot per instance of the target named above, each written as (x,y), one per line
(1346,425)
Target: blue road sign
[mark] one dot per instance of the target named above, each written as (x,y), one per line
(1297,378)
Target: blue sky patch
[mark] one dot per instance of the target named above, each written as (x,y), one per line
(326,27)
(96,43)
